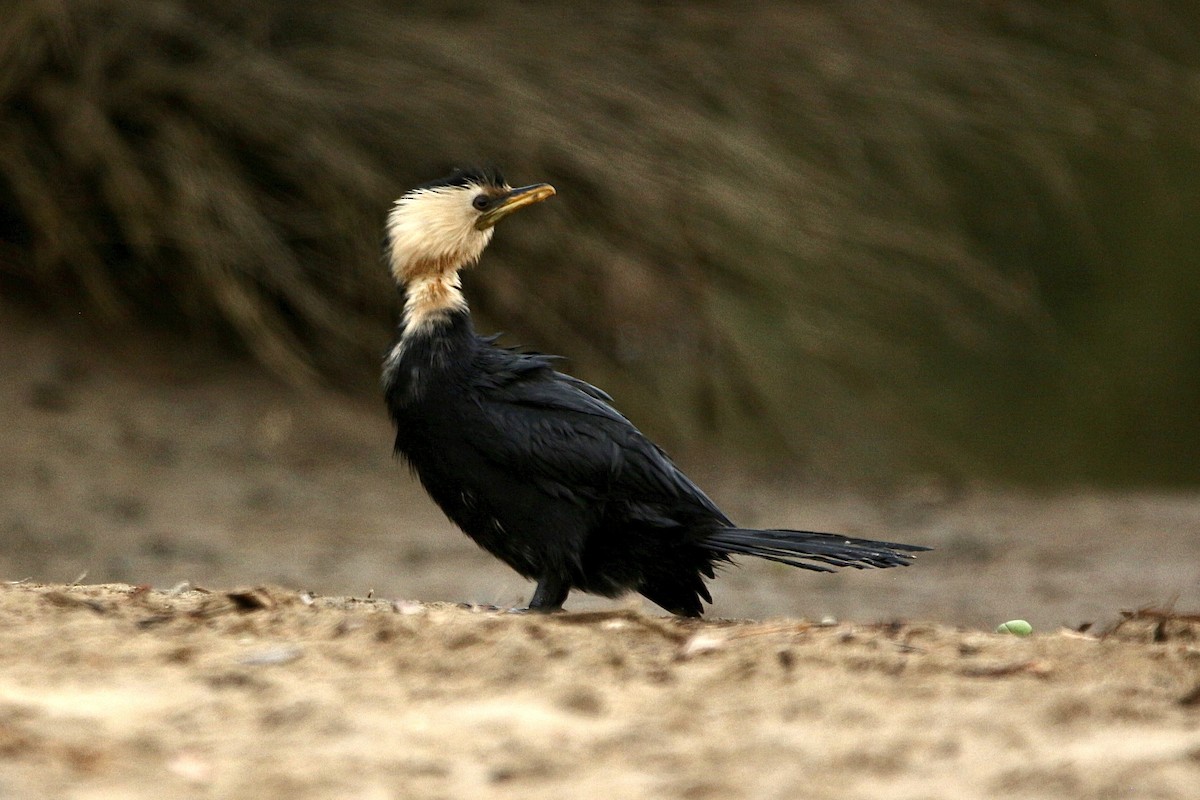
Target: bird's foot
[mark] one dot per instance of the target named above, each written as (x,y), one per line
(549,596)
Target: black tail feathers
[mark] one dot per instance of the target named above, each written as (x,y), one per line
(820,552)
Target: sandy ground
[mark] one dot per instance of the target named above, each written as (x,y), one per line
(147,464)
(114,691)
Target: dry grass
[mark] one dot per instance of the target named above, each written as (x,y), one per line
(826,228)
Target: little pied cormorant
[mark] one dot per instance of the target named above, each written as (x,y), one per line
(537,466)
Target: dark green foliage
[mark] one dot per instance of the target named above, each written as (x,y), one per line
(942,235)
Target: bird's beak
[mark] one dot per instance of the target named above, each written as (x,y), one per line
(510,202)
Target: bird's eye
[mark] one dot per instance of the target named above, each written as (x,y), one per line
(481,202)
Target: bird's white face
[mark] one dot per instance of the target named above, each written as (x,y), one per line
(432,231)
(436,230)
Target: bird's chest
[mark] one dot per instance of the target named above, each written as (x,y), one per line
(431,403)
(426,370)
(411,376)
(428,409)
(440,441)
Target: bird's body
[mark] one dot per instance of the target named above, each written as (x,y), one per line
(536,466)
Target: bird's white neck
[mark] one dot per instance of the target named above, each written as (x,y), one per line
(430,297)
(434,305)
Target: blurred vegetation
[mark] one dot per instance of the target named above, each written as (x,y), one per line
(873,239)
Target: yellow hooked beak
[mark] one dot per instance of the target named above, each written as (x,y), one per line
(507,203)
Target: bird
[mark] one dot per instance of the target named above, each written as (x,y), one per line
(536,466)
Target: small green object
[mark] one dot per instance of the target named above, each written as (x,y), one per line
(1017,627)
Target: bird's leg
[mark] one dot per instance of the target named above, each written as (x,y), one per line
(550,594)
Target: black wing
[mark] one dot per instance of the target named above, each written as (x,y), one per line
(563,434)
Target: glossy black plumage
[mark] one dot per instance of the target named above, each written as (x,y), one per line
(536,466)
(540,470)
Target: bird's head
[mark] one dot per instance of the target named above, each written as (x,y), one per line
(444,225)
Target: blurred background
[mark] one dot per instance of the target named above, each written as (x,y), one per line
(862,245)
(864,236)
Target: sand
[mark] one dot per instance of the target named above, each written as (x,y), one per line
(119,691)
(151,489)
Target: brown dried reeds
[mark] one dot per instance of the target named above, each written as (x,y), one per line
(793,225)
